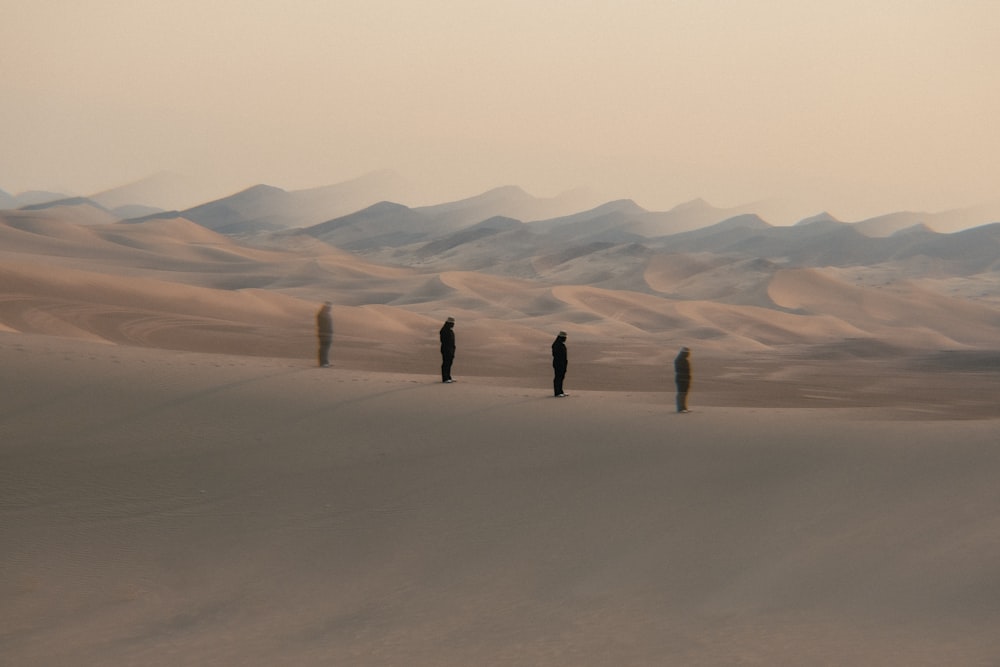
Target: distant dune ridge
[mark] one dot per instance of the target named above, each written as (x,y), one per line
(180,483)
(722,279)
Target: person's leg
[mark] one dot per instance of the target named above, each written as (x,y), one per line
(324,352)
(682,396)
(446,362)
(557,382)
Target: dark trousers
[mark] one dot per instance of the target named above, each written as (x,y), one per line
(446,360)
(324,350)
(557,381)
(682,395)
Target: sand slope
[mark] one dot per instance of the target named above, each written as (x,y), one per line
(165,508)
(180,485)
(172,283)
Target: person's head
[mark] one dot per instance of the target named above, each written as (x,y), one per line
(562,334)
(327,305)
(450,322)
(685,351)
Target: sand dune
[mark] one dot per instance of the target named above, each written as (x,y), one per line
(907,315)
(170,282)
(718,327)
(143,311)
(725,280)
(151,244)
(164,508)
(181,485)
(630,310)
(75,210)
(505,298)
(665,272)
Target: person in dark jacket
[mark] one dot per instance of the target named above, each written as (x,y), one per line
(447,335)
(324,328)
(559,363)
(682,377)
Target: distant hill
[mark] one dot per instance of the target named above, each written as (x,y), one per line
(394,225)
(507,201)
(887,225)
(33,197)
(161,191)
(385,224)
(965,218)
(76,210)
(130,211)
(68,201)
(738,283)
(263,208)
(28,198)
(945,221)
(259,208)
(626,221)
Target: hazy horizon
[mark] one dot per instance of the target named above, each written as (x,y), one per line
(858,108)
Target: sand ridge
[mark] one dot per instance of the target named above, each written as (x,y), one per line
(211,292)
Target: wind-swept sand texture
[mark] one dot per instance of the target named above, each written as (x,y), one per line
(164,508)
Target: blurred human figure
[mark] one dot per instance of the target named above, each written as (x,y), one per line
(447,335)
(559,364)
(324,329)
(682,377)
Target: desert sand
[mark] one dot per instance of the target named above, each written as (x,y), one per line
(181,485)
(164,508)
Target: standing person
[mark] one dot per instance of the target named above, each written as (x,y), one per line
(559,363)
(682,377)
(447,335)
(324,328)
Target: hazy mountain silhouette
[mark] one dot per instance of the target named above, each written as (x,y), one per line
(165,190)
(507,201)
(889,224)
(485,229)
(507,231)
(68,201)
(919,228)
(721,235)
(945,221)
(263,208)
(315,205)
(692,215)
(966,252)
(966,218)
(471,235)
(829,243)
(737,281)
(625,221)
(613,221)
(72,210)
(33,197)
(382,224)
(819,220)
(393,225)
(258,208)
(131,211)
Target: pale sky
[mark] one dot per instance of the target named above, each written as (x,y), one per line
(857,107)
